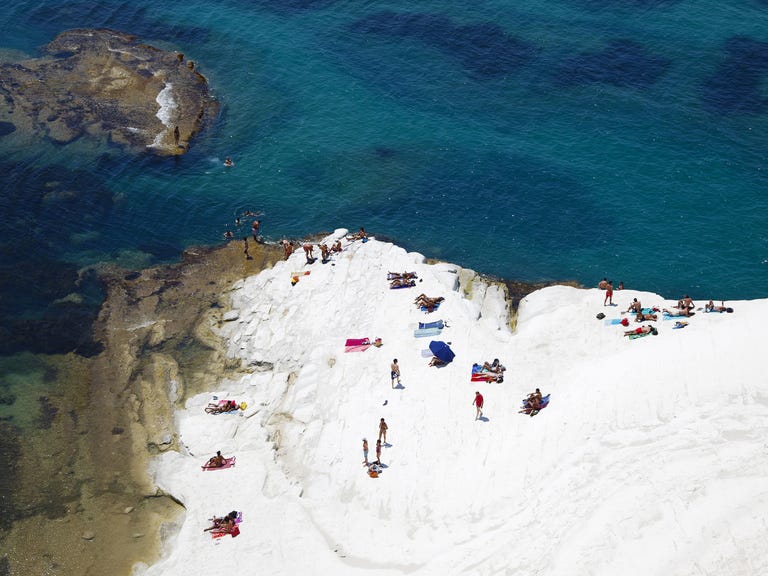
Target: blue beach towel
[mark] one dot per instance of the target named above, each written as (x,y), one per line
(612,321)
(425,309)
(438,324)
(424,332)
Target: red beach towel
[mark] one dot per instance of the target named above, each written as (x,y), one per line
(357,345)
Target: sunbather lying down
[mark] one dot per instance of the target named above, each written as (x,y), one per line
(403,275)
(402,283)
(494,366)
(216,408)
(435,361)
(641,330)
(677,312)
(224,524)
(427,302)
(643,317)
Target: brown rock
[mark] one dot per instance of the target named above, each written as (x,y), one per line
(106,84)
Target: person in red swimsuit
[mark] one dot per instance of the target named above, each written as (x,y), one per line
(478,402)
(609,294)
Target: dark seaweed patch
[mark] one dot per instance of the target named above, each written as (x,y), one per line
(161,250)
(619,4)
(10,452)
(290,6)
(6,128)
(56,17)
(47,412)
(484,50)
(622,63)
(41,208)
(735,87)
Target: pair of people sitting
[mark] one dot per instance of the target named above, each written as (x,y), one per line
(422,300)
(223,525)
(336,246)
(495,366)
(533,401)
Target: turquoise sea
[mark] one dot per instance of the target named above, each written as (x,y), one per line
(567,139)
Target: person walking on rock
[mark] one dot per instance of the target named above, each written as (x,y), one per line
(478,402)
(394,372)
(383,430)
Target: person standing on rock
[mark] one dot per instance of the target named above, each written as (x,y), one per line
(255,230)
(245,249)
(608,301)
(394,372)
(176,136)
(378,452)
(383,430)
(478,402)
(365,451)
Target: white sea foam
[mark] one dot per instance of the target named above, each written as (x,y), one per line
(168,105)
(650,460)
(166,114)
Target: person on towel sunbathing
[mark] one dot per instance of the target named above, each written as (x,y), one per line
(400,283)
(427,302)
(216,461)
(534,400)
(494,366)
(641,330)
(224,524)
(404,275)
(677,312)
(436,362)
(710,307)
(643,317)
(635,306)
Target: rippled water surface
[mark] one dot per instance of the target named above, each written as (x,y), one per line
(573,139)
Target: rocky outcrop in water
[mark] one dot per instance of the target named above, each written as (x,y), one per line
(105,84)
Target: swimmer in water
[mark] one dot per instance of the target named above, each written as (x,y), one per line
(228,162)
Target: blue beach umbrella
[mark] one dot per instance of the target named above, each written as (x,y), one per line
(441,350)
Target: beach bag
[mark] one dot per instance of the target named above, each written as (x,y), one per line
(600,316)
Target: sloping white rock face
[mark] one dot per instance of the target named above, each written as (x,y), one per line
(650,459)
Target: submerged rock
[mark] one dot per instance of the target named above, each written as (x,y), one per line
(106,84)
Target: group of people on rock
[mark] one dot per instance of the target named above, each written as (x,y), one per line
(224,525)
(430,304)
(374,468)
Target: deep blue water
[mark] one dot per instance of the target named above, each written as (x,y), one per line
(569,139)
